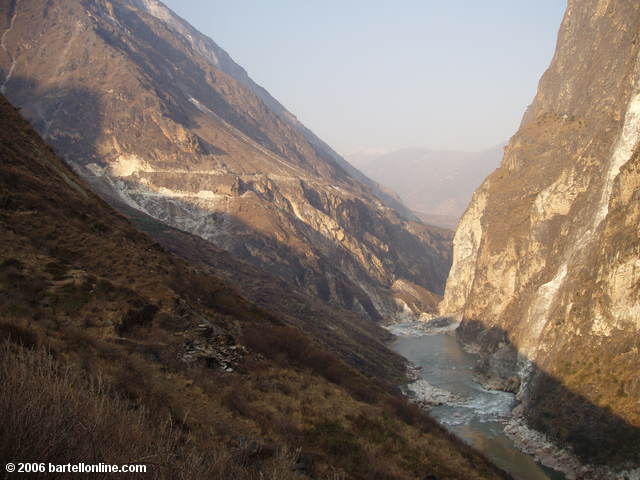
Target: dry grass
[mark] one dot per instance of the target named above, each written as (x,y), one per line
(248,426)
(51,413)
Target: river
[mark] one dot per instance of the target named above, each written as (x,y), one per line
(475,414)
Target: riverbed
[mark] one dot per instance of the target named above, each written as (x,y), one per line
(476,415)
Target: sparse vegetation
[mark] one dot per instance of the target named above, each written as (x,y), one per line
(51,412)
(96,325)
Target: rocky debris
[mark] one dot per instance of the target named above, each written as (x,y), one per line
(432,326)
(498,364)
(413,372)
(511,384)
(536,444)
(204,341)
(440,325)
(440,322)
(216,350)
(426,395)
(548,453)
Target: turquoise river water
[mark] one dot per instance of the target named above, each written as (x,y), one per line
(478,416)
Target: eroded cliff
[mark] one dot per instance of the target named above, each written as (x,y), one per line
(546,270)
(154,114)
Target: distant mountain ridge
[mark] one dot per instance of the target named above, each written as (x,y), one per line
(436,184)
(154,114)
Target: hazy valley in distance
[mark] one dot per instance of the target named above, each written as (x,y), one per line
(436,185)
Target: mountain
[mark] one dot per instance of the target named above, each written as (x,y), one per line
(436,185)
(158,118)
(546,271)
(114,350)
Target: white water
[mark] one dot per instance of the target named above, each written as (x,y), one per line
(3,45)
(476,415)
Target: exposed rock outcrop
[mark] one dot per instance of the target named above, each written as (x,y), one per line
(546,269)
(154,114)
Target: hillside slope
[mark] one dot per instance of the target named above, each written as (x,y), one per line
(546,268)
(157,116)
(116,351)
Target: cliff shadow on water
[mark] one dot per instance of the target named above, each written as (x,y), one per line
(594,433)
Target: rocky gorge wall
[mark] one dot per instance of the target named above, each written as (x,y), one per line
(155,115)
(546,269)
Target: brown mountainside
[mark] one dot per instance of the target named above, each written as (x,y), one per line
(546,268)
(156,116)
(114,350)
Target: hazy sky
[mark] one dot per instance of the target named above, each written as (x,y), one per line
(384,75)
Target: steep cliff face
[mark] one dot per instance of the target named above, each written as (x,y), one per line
(157,116)
(546,270)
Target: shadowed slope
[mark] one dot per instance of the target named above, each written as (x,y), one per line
(139,329)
